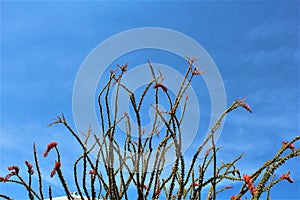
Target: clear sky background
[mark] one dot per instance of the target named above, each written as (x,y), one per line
(254,44)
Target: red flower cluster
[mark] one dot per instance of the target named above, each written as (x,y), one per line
(233,197)
(246,106)
(241,102)
(287,177)
(29,166)
(196,71)
(290,146)
(55,168)
(159,85)
(49,147)
(145,187)
(16,168)
(13,173)
(123,68)
(196,184)
(249,182)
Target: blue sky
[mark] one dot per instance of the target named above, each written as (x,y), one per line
(254,44)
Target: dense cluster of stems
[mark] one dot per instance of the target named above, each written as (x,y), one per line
(140,162)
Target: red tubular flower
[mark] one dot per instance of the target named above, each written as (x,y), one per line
(92,171)
(9,175)
(233,197)
(29,166)
(196,71)
(15,168)
(145,187)
(252,189)
(52,173)
(13,173)
(228,187)
(246,106)
(55,168)
(290,146)
(123,68)
(249,182)
(241,102)
(49,147)
(196,184)
(159,85)
(287,177)
(246,178)
(283,176)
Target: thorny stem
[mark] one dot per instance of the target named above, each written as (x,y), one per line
(38,171)
(50,193)
(22,182)
(5,197)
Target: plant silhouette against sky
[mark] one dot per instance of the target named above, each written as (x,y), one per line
(141,160)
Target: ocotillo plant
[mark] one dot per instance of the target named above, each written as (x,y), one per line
(141,162)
